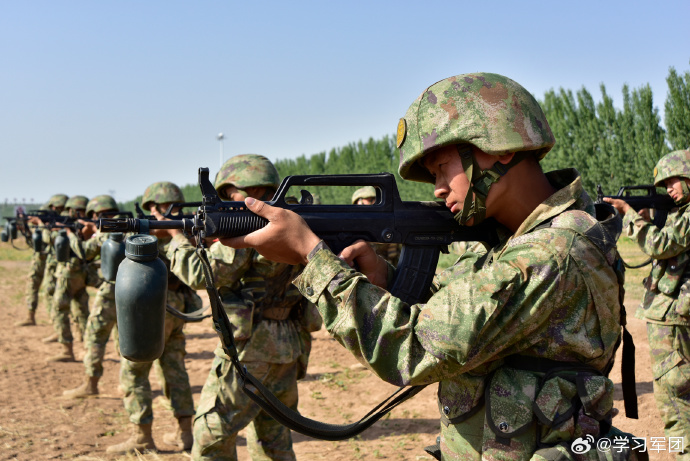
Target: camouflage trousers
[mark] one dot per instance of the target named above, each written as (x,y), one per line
(38,265)
(669,348)
(47,289)
(101,322)
(224,410)
(172,374)
(70,294)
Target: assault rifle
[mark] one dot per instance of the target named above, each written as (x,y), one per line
(423,228)
(650,198)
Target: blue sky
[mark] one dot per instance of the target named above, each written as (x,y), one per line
(108,97)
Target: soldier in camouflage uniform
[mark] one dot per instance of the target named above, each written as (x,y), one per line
(47,289)
(666,304)
(520,340)
(172,374)
(271,324)
(102,316)
(36,270)
(70,292)
(389,251)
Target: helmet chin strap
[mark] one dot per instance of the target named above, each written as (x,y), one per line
(480,183)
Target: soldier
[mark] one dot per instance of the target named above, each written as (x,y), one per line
(70,292)
(389,251)
(666,303)
(102,317)
(36,270)
(272,325)
(47,289)
(520,340)
(134,376)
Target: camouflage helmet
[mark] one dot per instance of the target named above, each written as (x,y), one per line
(77,202)
(489,111)
(101,203)
(247,170)
(57,201)
(364,192)
(674,164)
(161,192)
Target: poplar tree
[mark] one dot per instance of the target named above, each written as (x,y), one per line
(677,110)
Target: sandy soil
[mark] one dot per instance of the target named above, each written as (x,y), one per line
(36,423)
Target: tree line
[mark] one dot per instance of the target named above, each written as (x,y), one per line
(608,145)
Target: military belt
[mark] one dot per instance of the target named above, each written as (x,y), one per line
(276,313)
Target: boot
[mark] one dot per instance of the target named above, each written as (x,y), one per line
(67,355)
(88,389)
(182,438)
(140,440)
(50,339)
(29,321)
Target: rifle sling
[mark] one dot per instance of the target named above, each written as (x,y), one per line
(267,401)
(196,316)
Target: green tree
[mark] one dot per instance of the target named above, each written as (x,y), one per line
(677,109)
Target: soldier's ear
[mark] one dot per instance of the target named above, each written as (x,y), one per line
(506,158)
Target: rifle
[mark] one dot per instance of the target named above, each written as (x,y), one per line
(423,228)
(662,203)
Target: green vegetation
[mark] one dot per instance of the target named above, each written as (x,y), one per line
(608,146)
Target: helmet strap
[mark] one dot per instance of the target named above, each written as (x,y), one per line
(480,183)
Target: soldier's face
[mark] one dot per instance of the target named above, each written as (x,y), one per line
(451,182)
(237,195)
(674,188)
(366,201)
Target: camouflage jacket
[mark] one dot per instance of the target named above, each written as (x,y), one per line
(545,292)
(250,286)
(667,299)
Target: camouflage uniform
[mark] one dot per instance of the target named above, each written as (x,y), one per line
(504,332)
(666,303)
(388,251)
(134,376)
(36,271)
(271,325)
(70,287)
(269,329)
(102,316)
(47,287)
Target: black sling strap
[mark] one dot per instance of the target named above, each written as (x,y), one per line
(267,401)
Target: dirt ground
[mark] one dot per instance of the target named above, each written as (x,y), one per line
(36,423)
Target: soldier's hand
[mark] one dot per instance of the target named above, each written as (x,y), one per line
(644,214)
(373,266)
(620,205)
(285,239)
(88,230)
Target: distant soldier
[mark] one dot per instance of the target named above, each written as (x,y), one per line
(70,292)
(389,251)
(36,270)
(271,326)
(102,316)
(666,304)
(134,376)
(47,289)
